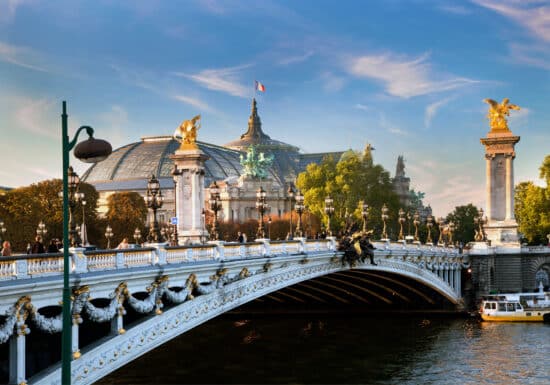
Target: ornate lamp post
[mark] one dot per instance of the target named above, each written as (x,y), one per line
(480,220)
(401,220)
(83,234)
(137,236)
(364,214)
(109,235)
(299,207)
(451,231)
(385,217)
(409,217)
(329,210)
(74,197)
(440,224)
(90,150)
(429,224)
(41,230)
(416,222)
(261,205)
(215,206)
(2,231)
(290,193)
(269,227)
(154,200)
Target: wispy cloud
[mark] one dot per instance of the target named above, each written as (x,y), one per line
(296,58)
(455,9)
(33,116)
(362,107)
(404,77)
(20,56)
(224,80)
(390,127)
(116,122)
(195,102)
(431,110)
(532,15)
(535,55)
(332,82)
(8,9)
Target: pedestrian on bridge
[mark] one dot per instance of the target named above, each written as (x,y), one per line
(52,247)
(124,244)
(38,246)
(6,249)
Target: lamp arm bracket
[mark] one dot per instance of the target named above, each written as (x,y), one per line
(89,131)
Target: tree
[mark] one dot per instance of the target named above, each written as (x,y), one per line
(463,219)
(23,208)
(545,171)
(350,180)
(532,211)
(126,211)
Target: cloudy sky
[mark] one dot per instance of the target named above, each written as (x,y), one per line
(408,77)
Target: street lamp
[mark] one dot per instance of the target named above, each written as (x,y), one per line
(440,224)
(401,220)
(480,235)
(90,150)
(215,206)
(109,235)
(299,207)
(451,231)
(269,227)
(41,230)
(74,196)
(329,210)
(416,222)
(261,205)
(83,233)
(137,236)
(2,231)
(364,214)
(385,217)
(290,193)
(429,224)
(154,200)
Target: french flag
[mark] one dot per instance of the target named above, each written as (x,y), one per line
(259,86)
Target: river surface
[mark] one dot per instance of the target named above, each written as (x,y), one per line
(352,349)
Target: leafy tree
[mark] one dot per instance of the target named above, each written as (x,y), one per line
(23,208)
(350,180)
(126,211)
(532,211)
(463,219)
(545,171)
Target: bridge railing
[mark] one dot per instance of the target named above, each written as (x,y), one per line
(82,261)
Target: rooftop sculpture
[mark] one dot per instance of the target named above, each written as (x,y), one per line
(256,163)
(497,114)
(186,133)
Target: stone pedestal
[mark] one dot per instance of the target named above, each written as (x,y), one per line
(189,180)
(501,225)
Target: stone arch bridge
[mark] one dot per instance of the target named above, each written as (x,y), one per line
(174,289)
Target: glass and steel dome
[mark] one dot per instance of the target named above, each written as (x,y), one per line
(130,166)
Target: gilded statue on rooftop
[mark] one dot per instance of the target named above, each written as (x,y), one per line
(498,112)
(186,133)
(255,164)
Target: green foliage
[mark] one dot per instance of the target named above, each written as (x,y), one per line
(545,171)
(126,211)
(354,178)
(463,218)
(532,211)
(23,208)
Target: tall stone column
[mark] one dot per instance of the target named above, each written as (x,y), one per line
(189,179)
(501,227)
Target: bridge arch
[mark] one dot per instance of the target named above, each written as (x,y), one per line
(96,361)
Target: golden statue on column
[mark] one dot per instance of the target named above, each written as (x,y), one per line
(497,114)
(186,133)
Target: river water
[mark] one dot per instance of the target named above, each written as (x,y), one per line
(343,348)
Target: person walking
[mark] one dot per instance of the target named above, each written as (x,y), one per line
(240,237)
(124,244)
(52,247)
(38,247)
(6,249)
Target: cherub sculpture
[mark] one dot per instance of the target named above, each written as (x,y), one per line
(498,112)
(186,133)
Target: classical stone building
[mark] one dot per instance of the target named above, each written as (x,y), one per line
(129,168)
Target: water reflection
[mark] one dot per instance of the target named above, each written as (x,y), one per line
(347,349)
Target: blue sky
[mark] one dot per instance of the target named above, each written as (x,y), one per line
(408,77)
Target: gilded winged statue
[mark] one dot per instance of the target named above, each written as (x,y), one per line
(186,133)
(498,112)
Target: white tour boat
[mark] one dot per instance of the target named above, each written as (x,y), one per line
(518,307)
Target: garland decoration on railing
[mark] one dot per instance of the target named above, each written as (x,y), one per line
(16,315)
(49,325)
